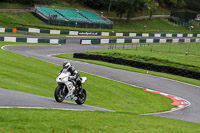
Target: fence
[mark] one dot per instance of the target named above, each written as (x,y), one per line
(142,65)
(139,40)
(184,15)
(179,48)
(98,33)
(15,10)
(172,48)
(32,40)
(2,30)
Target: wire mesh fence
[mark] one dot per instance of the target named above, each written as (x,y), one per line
(180,48)
(173,48)
(142,65)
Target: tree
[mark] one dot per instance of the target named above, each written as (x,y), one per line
(174,4)
(95,4)
(193,4)
(109,5)
(152,6)
(133,6)
(121,6)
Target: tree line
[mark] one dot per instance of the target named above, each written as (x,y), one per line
(121,7)
(131,7)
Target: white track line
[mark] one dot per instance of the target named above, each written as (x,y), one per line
(125,82)
(130,85)
(44,108)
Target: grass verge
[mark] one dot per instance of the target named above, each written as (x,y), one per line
(127,68)
(9,5)
(30,75)
(167,55)
(157,25)
(38,77)
(32,121)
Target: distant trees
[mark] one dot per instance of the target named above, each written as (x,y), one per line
(193,5)
(174,4)
(96,4)
(110,3)
(30,2)
(133,7)
(122,7)
(152,6)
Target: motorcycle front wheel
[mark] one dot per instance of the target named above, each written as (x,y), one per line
(81,98)
(59,94)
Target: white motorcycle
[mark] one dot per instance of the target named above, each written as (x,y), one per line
(67,88)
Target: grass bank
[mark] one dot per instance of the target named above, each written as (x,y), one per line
(132,69)
(32,121)
(168,55)
(157,25)
(5,5)
(30,75)
(38,77)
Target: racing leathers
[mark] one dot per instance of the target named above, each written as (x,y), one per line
(75,77)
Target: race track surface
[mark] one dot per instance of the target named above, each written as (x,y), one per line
(183,90)
(10,98)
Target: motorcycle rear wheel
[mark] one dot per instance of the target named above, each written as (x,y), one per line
(81,98)
(59,94)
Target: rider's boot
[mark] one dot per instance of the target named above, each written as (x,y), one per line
(80,90)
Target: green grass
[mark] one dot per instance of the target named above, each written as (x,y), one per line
(176,48)
(12,20)
(11,34)
(30,75)
(32,121)
(132,69)
(157,25)
(160,55)
(38,77)
(5,5)
(19,19)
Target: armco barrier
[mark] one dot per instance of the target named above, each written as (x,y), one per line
(139,40)
(31,40)
(6,30)
(142,65)
(64,32)
(95,33)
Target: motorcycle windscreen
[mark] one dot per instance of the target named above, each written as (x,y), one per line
(83,79)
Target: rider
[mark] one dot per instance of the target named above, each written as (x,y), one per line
(75,76)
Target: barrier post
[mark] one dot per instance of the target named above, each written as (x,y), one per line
(151,47)
(170,48)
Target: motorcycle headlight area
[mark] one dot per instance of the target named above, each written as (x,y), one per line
(62,78)
(70,87)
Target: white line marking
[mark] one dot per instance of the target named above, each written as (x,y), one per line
(136,85)
(135,72)
(45,108)
(173,109)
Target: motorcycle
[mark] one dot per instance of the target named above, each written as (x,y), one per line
(67,88)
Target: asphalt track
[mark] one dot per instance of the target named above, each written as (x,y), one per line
(9,98)
(183,90)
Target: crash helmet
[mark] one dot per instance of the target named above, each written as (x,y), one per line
(66,65)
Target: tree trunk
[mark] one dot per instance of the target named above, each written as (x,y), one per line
(128,17)
(151,13)
(109,6)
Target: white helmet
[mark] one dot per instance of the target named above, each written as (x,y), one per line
(66,65)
